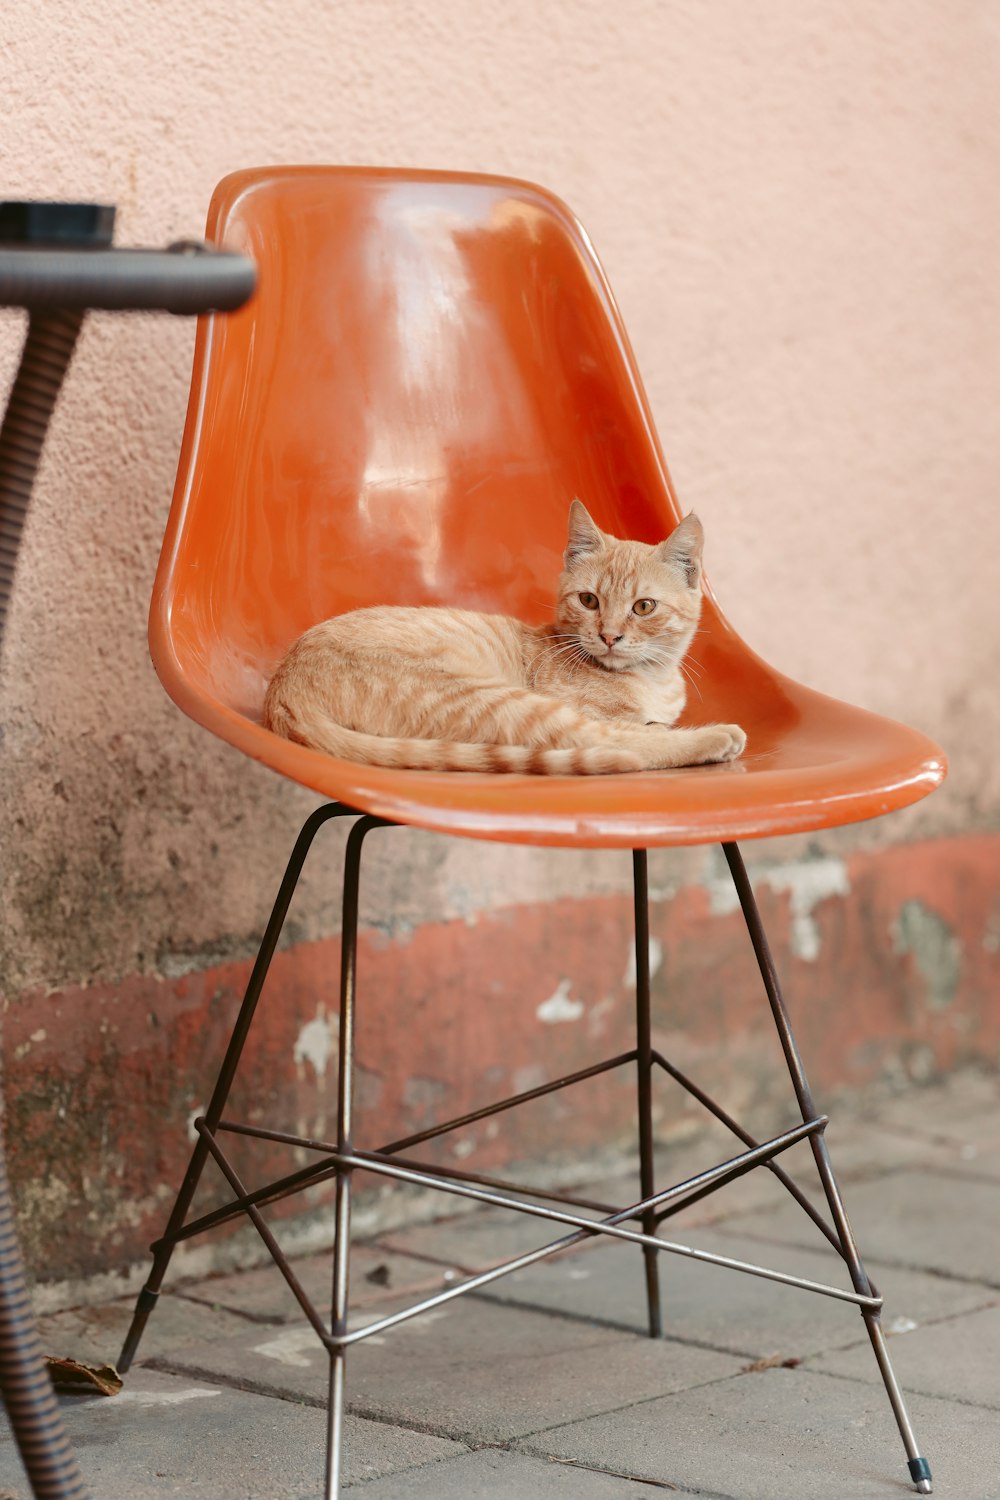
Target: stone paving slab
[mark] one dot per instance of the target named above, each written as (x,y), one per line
(95,1334)
(168,1436)
(785,1435)
(947,1104)
(377,1275)
(909,1218)
(473,1371)
(727,1309)
(958,1358)
(959,1121)
(492,1474)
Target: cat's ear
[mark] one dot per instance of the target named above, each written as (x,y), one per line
(584,536)
(683,549)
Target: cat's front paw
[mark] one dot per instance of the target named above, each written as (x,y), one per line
(721,742)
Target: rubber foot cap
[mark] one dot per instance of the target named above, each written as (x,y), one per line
(920,1473)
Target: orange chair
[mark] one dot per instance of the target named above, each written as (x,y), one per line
(432,367)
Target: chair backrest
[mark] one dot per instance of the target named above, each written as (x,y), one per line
(432,367)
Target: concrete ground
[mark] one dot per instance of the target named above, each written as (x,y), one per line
(543,1385)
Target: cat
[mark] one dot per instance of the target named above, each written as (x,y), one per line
(595,691)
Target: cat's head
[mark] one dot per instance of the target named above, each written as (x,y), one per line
(629,604)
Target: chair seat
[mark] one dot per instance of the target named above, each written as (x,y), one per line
(811,762)
(432,368)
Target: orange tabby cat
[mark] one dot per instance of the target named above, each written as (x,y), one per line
(451,690)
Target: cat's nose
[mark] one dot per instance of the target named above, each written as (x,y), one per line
(610,640)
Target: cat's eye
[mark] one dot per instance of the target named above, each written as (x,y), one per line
(644,606)
(590,601)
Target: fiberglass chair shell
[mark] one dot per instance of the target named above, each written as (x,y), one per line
(432,367)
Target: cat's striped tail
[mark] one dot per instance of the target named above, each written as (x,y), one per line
(320,732)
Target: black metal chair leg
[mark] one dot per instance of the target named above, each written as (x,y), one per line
(644,1067)
(919,1469)
(164,1247)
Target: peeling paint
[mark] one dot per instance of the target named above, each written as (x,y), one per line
(655,963)
(424,1094)
(314,1044)
(559,1006)
(807,883)
(531,1076)
(936,951)
(722,897)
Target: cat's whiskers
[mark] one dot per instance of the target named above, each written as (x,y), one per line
(685,669)
(572,643)
(667,660)
(551,652)
(574,652)
(659,656)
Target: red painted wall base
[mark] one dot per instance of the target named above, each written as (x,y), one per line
(890,964)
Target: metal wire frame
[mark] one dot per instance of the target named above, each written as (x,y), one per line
(340,1159)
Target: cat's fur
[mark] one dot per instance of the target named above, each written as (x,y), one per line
(451,690)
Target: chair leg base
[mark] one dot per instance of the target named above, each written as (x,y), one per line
(339,1159)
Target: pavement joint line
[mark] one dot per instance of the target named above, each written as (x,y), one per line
(911,1390)
(574,1463)
(267,1320)
(614,1411)
(966,1173)
(166,1366)
(857,1176)
(932,1322)
(427,1259)
(278,1320)
(884,1262)
(661,1484)
(514,1448)
(628,1328)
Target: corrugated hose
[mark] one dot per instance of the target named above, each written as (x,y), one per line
(27,1390)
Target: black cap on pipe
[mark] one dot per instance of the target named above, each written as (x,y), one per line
(76,224)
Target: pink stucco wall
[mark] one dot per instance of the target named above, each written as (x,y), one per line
(796,205)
